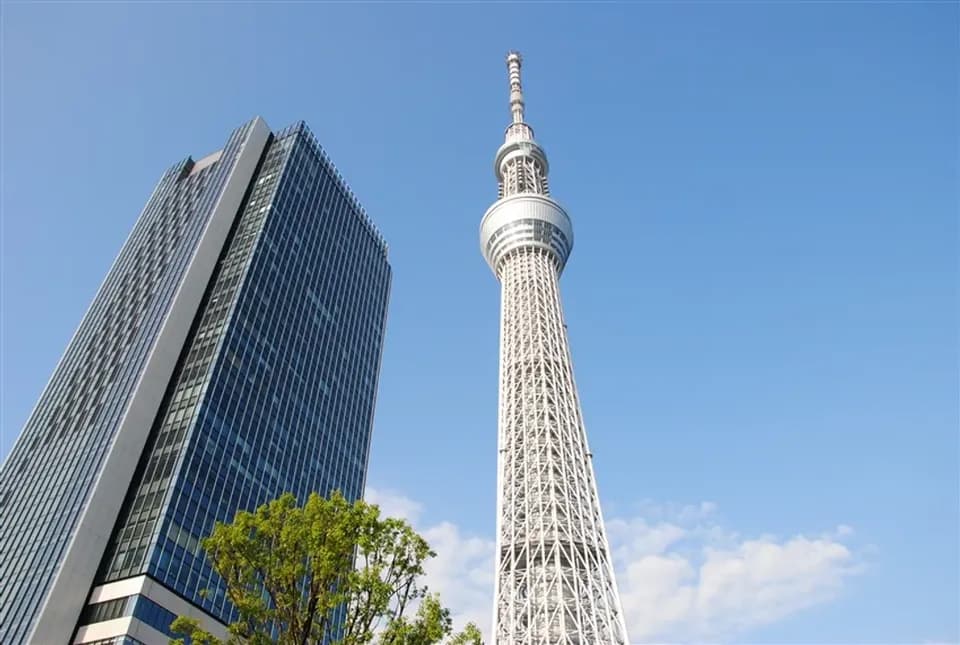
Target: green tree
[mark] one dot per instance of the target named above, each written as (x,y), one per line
(289,570)
(469,636)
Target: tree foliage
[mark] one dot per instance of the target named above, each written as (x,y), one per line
(329,568)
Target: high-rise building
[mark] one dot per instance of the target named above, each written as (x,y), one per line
(231,354)
(554,579)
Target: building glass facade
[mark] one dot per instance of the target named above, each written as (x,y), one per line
(273,389)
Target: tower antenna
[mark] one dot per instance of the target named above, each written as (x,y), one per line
(516,89)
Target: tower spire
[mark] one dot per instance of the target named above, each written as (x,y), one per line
(516,89)
(521,164)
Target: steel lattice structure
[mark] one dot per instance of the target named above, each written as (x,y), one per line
(554,578)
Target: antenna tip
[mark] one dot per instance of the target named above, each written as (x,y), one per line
(513,55)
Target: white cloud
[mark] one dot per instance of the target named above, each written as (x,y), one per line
(463,574)
(682,576)
(462,571)
(686,577)
(727,591)
(393,504)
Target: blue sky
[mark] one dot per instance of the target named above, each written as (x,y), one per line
(762,300)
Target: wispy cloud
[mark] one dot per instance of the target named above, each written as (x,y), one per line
(683,576)
(393,504)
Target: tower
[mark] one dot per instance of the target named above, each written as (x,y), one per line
(554,579)
(231,354)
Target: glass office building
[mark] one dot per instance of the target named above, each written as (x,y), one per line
(231,354)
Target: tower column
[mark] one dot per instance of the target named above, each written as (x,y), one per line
(554,578)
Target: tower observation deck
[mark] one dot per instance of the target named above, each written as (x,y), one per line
(554,579)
